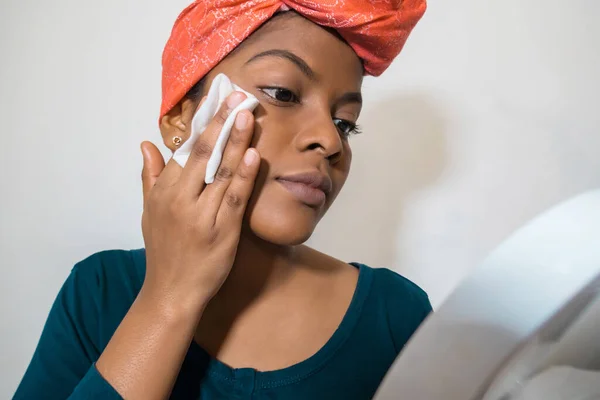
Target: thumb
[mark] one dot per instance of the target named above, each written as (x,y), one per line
(153,166)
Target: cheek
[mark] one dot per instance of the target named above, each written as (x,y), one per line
(347,157)
(343,167)
(269,137)
(339,173)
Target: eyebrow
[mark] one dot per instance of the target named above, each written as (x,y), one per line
(287,55)
(352,97)
(347,98)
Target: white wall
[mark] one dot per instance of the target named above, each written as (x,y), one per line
(490,116)
(487,118)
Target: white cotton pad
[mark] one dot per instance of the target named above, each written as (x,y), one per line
(220,88)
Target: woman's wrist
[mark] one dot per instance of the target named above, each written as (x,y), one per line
(172,305)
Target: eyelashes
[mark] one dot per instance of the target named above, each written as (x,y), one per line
(347,128)
(280,94)
(283,97)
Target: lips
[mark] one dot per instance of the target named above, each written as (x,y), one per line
(310,188)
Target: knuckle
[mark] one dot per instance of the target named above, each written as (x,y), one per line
(212,236)
(222,115)
(233,200)
(237,137)
(243,174)
(202,149)
(224,174)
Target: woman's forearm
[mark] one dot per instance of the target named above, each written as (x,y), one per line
(191,234)
(144,356)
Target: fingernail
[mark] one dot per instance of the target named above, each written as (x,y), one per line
(250,157)
(235,99)
(241,121)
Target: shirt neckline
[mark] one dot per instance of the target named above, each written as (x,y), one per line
(302,370)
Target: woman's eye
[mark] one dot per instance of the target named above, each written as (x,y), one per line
(281,94)
(346,128)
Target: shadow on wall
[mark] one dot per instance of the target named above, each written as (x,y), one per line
(402,150)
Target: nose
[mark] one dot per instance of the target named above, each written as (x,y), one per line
(320,135)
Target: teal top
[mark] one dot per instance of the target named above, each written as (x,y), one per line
(384,312)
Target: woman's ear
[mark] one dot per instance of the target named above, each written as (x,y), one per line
(177,123)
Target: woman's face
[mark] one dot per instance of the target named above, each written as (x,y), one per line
(308,82)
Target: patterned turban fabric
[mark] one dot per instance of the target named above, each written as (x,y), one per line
(208,30)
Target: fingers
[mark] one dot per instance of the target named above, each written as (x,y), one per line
(153,166)
(239,140)
(194,173)
(239,190)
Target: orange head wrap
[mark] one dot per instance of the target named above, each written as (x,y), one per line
(207,31)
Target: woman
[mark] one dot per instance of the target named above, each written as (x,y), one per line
(225,301)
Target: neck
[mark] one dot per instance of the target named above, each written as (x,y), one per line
(259,268)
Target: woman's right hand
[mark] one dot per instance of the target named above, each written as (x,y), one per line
(191,230)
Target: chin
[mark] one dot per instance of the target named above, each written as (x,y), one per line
(289,227)
(276,217)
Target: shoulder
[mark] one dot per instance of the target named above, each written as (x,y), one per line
(103,286)
(85,314)
(398,288)
(113,277)
(114,267)
(404,304)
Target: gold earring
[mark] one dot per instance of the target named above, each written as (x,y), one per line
(177,140)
